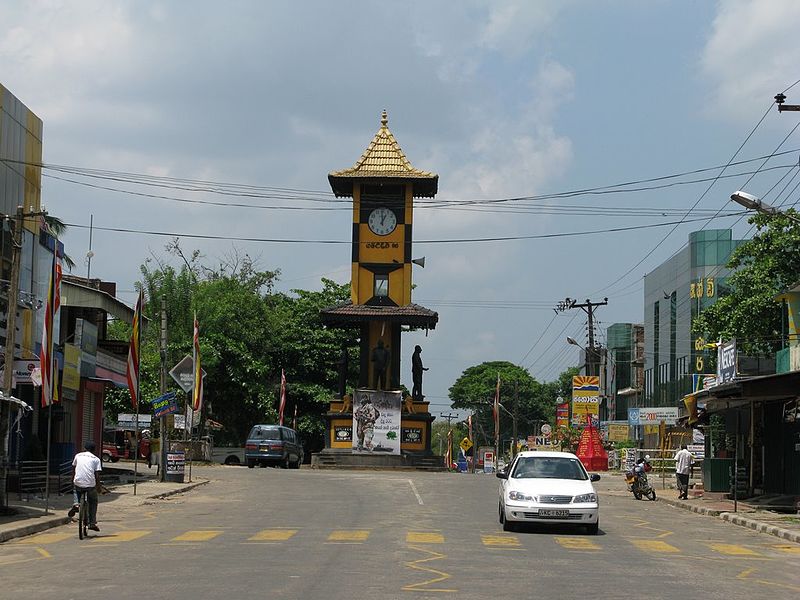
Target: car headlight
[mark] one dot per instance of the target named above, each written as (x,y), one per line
(519,496)
(585,498)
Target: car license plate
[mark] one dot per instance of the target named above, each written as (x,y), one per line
(553,513)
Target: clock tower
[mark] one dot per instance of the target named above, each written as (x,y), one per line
(383,185)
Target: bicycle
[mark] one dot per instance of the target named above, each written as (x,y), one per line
(83,516)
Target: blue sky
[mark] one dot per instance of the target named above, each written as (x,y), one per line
(501,99)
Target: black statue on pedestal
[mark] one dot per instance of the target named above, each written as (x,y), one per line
(380,362)
(416,374)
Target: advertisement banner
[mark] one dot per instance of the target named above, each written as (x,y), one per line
(653,416)
(342,433)
(617,432)
(585,398)
(376,422)
(562,415)
(164,405)
(726,362)
(71,377)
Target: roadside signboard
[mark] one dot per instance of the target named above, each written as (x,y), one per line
(726,362)
(562,414)
(183,373)
(488,461)
(164,405)
(653,415)
(465,444)
(127,421)
(546,430)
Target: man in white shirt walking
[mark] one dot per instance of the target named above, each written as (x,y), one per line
(86,480)
(683,462)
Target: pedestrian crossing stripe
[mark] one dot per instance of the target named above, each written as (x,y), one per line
(351,536)
(202,535)
(47,538)
(502,541)
(273,535)
(120,536)
(573,543)
(424,537)
(733,550)
(654,546)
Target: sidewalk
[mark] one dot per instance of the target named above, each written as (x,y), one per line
(30,516)
(748,512)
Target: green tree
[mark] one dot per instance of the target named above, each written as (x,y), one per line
(765,266)
(474,390)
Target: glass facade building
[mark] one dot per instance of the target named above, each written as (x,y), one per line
(674,293)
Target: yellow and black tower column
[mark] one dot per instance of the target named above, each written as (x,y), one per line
(383,185)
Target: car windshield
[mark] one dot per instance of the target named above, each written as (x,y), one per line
(265,433)
(546,467)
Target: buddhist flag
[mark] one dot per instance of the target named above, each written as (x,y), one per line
(283,397)
(46,355)
(197,395)
(134,353)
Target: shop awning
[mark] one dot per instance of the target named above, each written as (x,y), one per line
(763,388)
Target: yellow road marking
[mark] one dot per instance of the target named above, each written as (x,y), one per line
(790,548)
(121,536)
(645,525)
(46,538)
(654,546)
(200,535)
(419,566)
(273,535)
(504,541)
(733,550)
(343,535)
(574,543)
(424,537)
(745,574)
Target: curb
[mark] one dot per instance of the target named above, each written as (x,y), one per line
(56,521)
(180,490)
(33,528)
(737,519)
(780,532)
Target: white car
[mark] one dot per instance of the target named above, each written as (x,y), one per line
(548,487)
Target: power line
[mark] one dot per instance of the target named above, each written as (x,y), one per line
(433,241)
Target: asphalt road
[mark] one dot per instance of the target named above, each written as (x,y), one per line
(271,533)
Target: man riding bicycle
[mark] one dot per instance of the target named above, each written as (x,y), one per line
(86,467)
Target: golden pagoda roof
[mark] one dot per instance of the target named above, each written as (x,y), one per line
(383,159)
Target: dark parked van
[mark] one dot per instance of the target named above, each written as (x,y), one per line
(273,445)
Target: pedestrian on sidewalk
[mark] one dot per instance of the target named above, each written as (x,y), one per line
(683,462)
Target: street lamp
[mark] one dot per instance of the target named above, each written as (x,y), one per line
(751,202)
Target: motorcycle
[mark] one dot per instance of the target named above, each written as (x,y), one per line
(639,485)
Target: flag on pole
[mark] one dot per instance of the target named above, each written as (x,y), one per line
(46,354)
(133,353)
(294,421)
(283,397)
(197,395)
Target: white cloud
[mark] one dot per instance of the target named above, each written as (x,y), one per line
(751,55)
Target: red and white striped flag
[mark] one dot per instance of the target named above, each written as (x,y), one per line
(283,397)
(46,354)
(197,396)
(134,353)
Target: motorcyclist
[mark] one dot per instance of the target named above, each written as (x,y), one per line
(642,466)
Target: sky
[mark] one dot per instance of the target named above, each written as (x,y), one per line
(510,102)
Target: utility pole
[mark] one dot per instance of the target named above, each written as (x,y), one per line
(449,418)
(592,350)
(11,326)
(514,420)
(162,426)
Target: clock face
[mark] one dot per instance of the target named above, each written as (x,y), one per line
(382,221)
